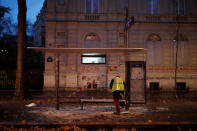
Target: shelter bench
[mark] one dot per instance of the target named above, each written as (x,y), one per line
(98,101)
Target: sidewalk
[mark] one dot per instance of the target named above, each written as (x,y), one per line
(154,114)
(44,113)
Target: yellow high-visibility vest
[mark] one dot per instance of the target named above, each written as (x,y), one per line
(118,84)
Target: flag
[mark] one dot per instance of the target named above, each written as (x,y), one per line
(129,23)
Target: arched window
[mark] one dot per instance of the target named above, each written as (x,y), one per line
(154,46)
(91,37)
(153,37)
(183,48)
(92,41)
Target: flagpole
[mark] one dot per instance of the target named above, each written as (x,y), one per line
(125,30)
(126,46)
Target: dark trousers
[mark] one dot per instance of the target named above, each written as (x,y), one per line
(116,96)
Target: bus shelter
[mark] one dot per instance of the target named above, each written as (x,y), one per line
(127,51)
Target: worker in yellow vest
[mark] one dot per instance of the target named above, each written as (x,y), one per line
(118,89)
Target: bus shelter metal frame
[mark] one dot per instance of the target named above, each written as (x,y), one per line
(58,51)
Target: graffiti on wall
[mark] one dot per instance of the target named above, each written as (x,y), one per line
(98,79)
(137,73)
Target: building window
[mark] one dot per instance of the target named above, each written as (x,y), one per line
(93,58)
(179,7)
(154,46)
(181,86)
(92,41)
(92,37)
(152,7)
(154,37)
(154,86)
(183,49)
(92,6)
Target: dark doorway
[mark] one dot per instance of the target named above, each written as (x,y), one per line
(136,81)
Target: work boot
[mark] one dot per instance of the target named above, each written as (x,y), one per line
(127,105)
(122,104)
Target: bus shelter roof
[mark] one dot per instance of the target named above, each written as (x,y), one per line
(89,50)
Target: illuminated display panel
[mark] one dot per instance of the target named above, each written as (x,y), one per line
(93,58)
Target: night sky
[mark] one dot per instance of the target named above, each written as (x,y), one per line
(33,8)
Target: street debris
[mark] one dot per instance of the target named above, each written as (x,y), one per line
(30,105)
(150,121)
(161,108)
(44,112)
(92,111)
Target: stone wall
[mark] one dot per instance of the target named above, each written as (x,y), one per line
(67,25)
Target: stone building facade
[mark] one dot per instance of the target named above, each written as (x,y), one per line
(159,26)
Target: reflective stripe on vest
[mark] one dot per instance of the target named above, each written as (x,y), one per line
(118,84)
